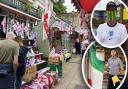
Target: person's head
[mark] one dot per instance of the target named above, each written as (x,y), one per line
(10,35)
(77,40)
(113,52)
(19,40)
(111,10)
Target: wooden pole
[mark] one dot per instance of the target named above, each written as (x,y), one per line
(121,13)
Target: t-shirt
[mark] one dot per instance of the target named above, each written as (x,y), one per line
(111,36)
(114,65)
(8,49)
(84,44)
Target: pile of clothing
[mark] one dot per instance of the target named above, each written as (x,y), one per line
(43,80)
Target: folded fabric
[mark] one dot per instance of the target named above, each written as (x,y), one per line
(115,79)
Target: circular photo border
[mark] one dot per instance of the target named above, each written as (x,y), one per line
(83,65)
(92,30)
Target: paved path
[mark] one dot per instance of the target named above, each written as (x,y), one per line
(72,77)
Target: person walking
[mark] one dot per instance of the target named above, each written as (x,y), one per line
(78,46)
(114,64)
(9,52)
(22,62)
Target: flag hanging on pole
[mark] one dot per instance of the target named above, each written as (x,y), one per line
(46,22)
(46,18)
(96,69)
(45,27)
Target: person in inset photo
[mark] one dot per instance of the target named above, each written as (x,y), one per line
(111,33)
(103,68)
(115,65)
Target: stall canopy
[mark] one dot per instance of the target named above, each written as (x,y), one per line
(88,5)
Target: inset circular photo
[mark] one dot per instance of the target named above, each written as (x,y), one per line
(108,23)
(104,68)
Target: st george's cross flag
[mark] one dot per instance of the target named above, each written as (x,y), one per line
(46,18)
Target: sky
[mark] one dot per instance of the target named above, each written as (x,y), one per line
(69,6)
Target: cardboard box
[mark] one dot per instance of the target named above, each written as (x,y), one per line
(54,60)
(31,69)
(30,74)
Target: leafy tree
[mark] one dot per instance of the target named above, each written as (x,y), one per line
(27,5)
(58,7)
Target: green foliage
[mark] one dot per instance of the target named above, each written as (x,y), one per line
(27,5)
(58,7)
(40,11)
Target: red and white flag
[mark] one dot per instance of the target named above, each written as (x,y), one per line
(46,18)
(45,26)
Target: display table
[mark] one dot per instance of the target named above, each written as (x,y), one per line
(43,70)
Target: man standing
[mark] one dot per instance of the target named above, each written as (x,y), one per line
(22,62)
(111,33)
(114,65)
(78,46)
(9,52)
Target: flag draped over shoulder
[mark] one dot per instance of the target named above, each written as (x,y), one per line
(96,69)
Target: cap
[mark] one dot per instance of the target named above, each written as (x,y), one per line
(111,6)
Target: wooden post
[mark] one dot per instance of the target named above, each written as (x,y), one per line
(121,13)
